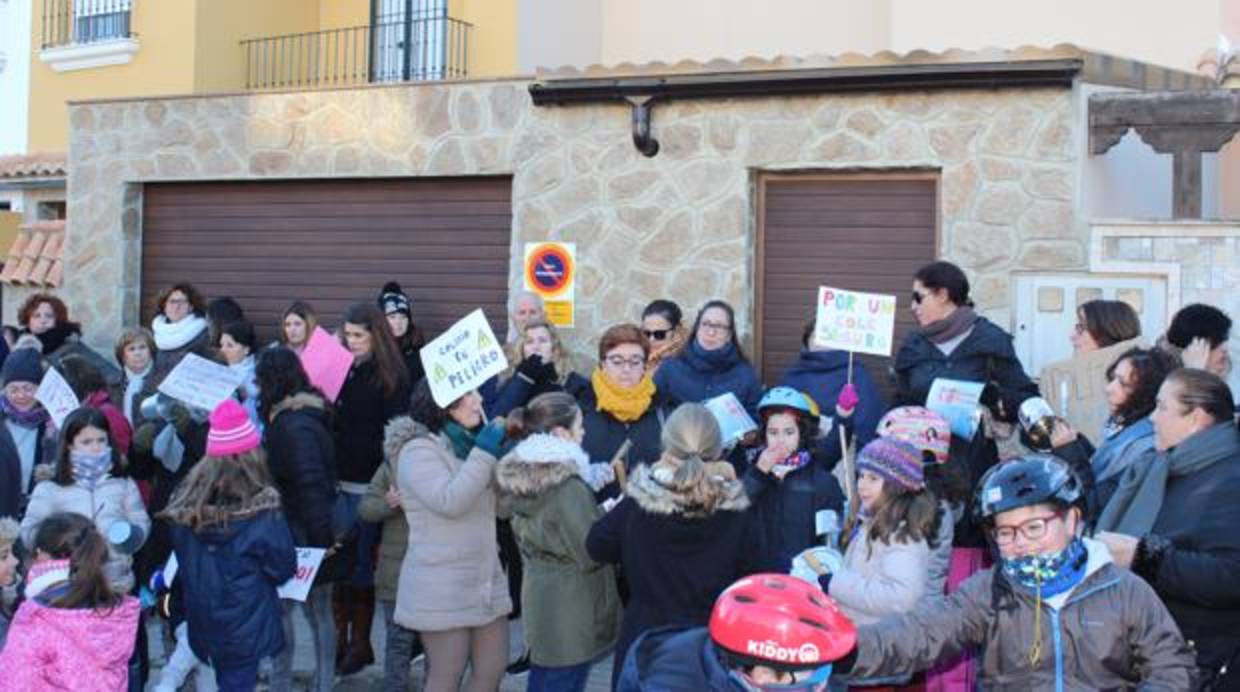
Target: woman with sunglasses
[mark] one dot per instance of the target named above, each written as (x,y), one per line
(663,326)
(712,364)
(955,343)
(622,403)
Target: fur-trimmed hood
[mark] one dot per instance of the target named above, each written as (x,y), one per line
(399,432)
(267,499)
(539,462)
(651,488)
(298,402)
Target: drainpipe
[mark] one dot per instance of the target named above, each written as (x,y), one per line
(642,139)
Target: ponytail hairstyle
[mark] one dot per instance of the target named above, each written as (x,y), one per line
(544,413)
(905,516)
(71,536)
(691,438)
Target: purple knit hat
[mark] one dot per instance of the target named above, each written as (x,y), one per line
(895,461)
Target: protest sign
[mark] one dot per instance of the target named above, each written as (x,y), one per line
(852,321)
(200,383)
(959,402)
(308,562)
(57,397)
(462,358)
(326,362)
(734,420)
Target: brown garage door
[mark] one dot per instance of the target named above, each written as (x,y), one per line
(861,233)
(332,243)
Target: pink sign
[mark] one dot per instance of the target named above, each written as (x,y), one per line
(326,362)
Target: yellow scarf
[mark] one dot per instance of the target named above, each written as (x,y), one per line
(625,404)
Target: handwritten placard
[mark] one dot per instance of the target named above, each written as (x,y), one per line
(57,397)
(308,562)
(959,402)
(462,358)
(734,421)
(852,321)
(200,383)
(326,362)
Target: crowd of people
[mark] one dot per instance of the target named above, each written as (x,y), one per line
(603,506)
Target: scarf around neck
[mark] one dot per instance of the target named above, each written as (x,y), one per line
(45,574)
(625,404)
(89,470)
(27,419)
(462,438)
(941,331)
(1048,576)
(718,360)
(1137,501)
(169,336)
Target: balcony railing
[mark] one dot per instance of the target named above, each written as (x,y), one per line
(68,22)
(432,48)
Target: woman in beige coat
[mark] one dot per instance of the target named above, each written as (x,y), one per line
(452,589)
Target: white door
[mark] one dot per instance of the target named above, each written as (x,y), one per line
(410,40)
(1046,311)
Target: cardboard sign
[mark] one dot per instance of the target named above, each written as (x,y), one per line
(200,383)
(734,421)
(462,358)
(857,322)
(326,362)
(308,562)
(959,402)
(57,397)
(551,272)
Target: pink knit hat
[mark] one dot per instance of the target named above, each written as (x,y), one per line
(231,430)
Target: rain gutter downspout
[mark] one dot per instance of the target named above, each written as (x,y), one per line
(641,93)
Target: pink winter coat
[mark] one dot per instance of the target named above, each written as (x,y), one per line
(76,649)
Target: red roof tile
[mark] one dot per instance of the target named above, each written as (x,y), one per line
(35,257)
(40,165)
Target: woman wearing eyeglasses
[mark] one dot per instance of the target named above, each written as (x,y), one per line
(622,404)
(954,342)
(663,326)
(712,364)
(180,328)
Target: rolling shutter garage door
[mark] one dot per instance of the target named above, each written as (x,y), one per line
(868,233)
(332,243)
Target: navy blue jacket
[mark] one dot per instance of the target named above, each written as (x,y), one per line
(228,576)
(675,659)
(785,509)
(693,376)
(500,398)
(822,375)
(605,433)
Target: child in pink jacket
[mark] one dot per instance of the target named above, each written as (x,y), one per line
(73,631)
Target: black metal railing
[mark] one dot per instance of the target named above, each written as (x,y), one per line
(421,49)
(85,21)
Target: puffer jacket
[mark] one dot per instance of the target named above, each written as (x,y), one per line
(880,578)
(786,509)
(80,649)
(676,659)
(1110,632)
(679,549)
(113,500)
(696,375)
(569,603)
(228,575)
(451,576)
(374,509)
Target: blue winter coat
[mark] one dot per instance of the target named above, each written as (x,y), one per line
(228,575)
(785,509)
(500,398)
(822,375)
(672,659)
(696,375)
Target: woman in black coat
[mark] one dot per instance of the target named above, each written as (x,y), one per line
(953,342)
(398,310)
(682,533)
(302,458)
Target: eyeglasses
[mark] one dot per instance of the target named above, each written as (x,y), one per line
(1078,328)
(620,362)
(918,297)
(1031,530)
(656,334)
(176,301)
(716,327)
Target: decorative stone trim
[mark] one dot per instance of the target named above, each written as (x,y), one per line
(1148,262)
(84,56)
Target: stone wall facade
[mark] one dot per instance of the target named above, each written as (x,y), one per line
(679,225)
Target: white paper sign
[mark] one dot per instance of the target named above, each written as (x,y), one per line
(857,322)
(959,402)
(200,383)
(734,420)
(462,358)
(57,397)
(308,562)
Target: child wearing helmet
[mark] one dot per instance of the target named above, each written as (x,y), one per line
(766,632)
(788,481)
(1053,613)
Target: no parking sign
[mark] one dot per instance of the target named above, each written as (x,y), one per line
(551,271)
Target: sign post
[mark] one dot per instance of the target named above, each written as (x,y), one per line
(550,271)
